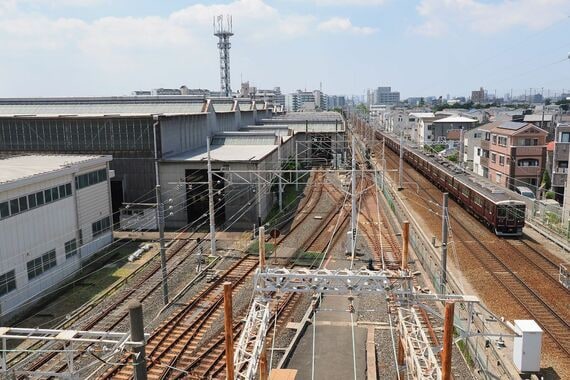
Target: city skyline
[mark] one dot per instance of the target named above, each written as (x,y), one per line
(420,48)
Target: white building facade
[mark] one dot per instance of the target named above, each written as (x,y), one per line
(55,213)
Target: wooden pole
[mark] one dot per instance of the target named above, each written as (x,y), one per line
(401,354)
(405,243)
(263,364)
(261,248)
(447,341)
(228,324)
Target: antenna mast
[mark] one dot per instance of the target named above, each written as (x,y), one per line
(223,30)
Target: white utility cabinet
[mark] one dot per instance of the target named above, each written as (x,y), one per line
(527,346)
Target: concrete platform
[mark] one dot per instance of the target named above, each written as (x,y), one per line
(333,344)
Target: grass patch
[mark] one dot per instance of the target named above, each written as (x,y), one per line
(289,200)
(94,279)
(254,248)
(308,258)
(465,351)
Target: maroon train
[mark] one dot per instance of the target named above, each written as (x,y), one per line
(496,207)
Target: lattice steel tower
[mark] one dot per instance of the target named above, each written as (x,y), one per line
(223,30)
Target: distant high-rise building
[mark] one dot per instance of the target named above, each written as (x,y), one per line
(385,95)
(478,96)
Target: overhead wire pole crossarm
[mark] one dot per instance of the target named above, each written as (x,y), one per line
(329,281)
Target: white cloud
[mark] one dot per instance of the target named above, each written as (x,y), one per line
(240,10)
(341,24)
(484,17)
(351,2)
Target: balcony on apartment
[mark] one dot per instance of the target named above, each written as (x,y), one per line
(522,150)
(559,176)
(527,171)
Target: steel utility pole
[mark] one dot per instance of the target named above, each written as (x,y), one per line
(444,227)
(383,162)
(296,166)
(353,214)
(461,147)
(401,166)
(279,184)
(211,201)
(160,216)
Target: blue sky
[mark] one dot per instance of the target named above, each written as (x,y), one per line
(421,48)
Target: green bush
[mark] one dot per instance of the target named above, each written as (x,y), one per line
(550,195)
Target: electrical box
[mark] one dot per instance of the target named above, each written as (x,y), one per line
(528,346)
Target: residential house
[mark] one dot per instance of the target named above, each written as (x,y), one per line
(472,150)
(435,130)
(560,157)
(544,121)
(514,153)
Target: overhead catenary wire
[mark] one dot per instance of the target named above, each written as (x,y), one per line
(70,275)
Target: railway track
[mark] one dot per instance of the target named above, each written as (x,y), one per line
(310,201)
(504,265)
(184,330)
(208,360)
(146,283)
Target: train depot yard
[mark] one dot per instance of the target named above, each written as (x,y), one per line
(374,259)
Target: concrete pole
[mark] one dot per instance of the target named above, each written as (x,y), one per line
(199,244)
(444,230)
(211,201)
(405,244)
(137,335)
(160,217)
(353,193)
(401,165)
(279,174)
(447,341)
(228,329)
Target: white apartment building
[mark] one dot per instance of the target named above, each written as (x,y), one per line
(422,123)
(55,213)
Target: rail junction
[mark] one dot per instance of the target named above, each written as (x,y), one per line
(245,299)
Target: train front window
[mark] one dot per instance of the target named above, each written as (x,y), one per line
(501,212)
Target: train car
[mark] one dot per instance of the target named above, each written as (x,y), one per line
(498,208)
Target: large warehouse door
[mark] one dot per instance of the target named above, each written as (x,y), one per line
(197,198)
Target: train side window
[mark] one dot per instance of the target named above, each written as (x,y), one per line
(465,191)
(478,200)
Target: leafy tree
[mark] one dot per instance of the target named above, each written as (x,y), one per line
(546,182)
(362,108)
(564,104)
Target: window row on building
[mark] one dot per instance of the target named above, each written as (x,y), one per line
(36,267)
(7,282)
(101,226)
(41,264)
(91,178)
(28,202)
